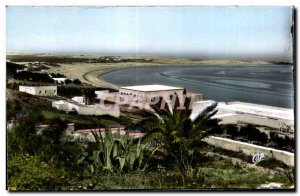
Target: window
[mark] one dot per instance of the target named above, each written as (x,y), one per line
(40,92)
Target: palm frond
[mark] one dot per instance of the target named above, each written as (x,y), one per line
(146,113)
(208,110)
(161,112)
(142,123)
(161,105)
(153,136)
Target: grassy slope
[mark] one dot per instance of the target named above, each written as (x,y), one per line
(220,169)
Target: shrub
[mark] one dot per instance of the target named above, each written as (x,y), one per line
(253,134)
(232,130)
(30,173)
(77,82)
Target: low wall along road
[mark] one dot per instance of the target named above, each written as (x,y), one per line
(251,149)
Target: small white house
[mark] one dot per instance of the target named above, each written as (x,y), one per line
(60,80)
(39,90)
(79,99)
(102,93)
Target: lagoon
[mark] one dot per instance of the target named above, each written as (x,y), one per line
(262,84)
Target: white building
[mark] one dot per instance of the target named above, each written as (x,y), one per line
(39,90)
(60,80)
(79,99)
(102,93)
(144,93)
(107,96)
(86,109)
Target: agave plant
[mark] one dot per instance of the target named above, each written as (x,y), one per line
(115,152)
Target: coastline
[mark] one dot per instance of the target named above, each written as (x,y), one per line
(91,72)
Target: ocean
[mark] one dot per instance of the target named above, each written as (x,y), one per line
(262,84)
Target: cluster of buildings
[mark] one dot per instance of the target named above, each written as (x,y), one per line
(228,113)
(109,102)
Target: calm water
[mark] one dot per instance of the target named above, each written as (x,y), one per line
(269,85)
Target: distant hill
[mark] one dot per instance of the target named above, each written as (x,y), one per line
(64,58)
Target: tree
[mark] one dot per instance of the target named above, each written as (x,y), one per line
(23,137)
(68,81)
(251,133)
(89,94)
(175,133)
(232,130)
(77,81)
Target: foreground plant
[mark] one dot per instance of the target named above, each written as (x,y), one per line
(114,152)
(176,135)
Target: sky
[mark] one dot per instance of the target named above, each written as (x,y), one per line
(250,33)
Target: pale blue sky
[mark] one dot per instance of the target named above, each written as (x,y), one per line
(202,32)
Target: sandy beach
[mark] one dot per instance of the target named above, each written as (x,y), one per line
(90,72)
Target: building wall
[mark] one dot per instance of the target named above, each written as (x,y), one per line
(39,90)
(79,100)
(102,93)
(88,110)
(60,105)
(85,109)
(59,80)
(129,95)
(251,149)
(107,96)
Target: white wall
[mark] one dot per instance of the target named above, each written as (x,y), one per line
(130,95)
(39,90)
(79,100)
(251,149)
(60,105)
(102,93)
(88,110)
(85,109)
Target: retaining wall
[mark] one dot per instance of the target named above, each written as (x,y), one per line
(251,149)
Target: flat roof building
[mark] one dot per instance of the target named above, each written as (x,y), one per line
(39,90)
(151,88)
(142,94)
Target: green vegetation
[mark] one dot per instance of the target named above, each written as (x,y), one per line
(253,134)
(27,172)
(35,77)
(17,72)
(250,133)
(112,153)
(170,156)
(11,69)
(176,135)
(70,91)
